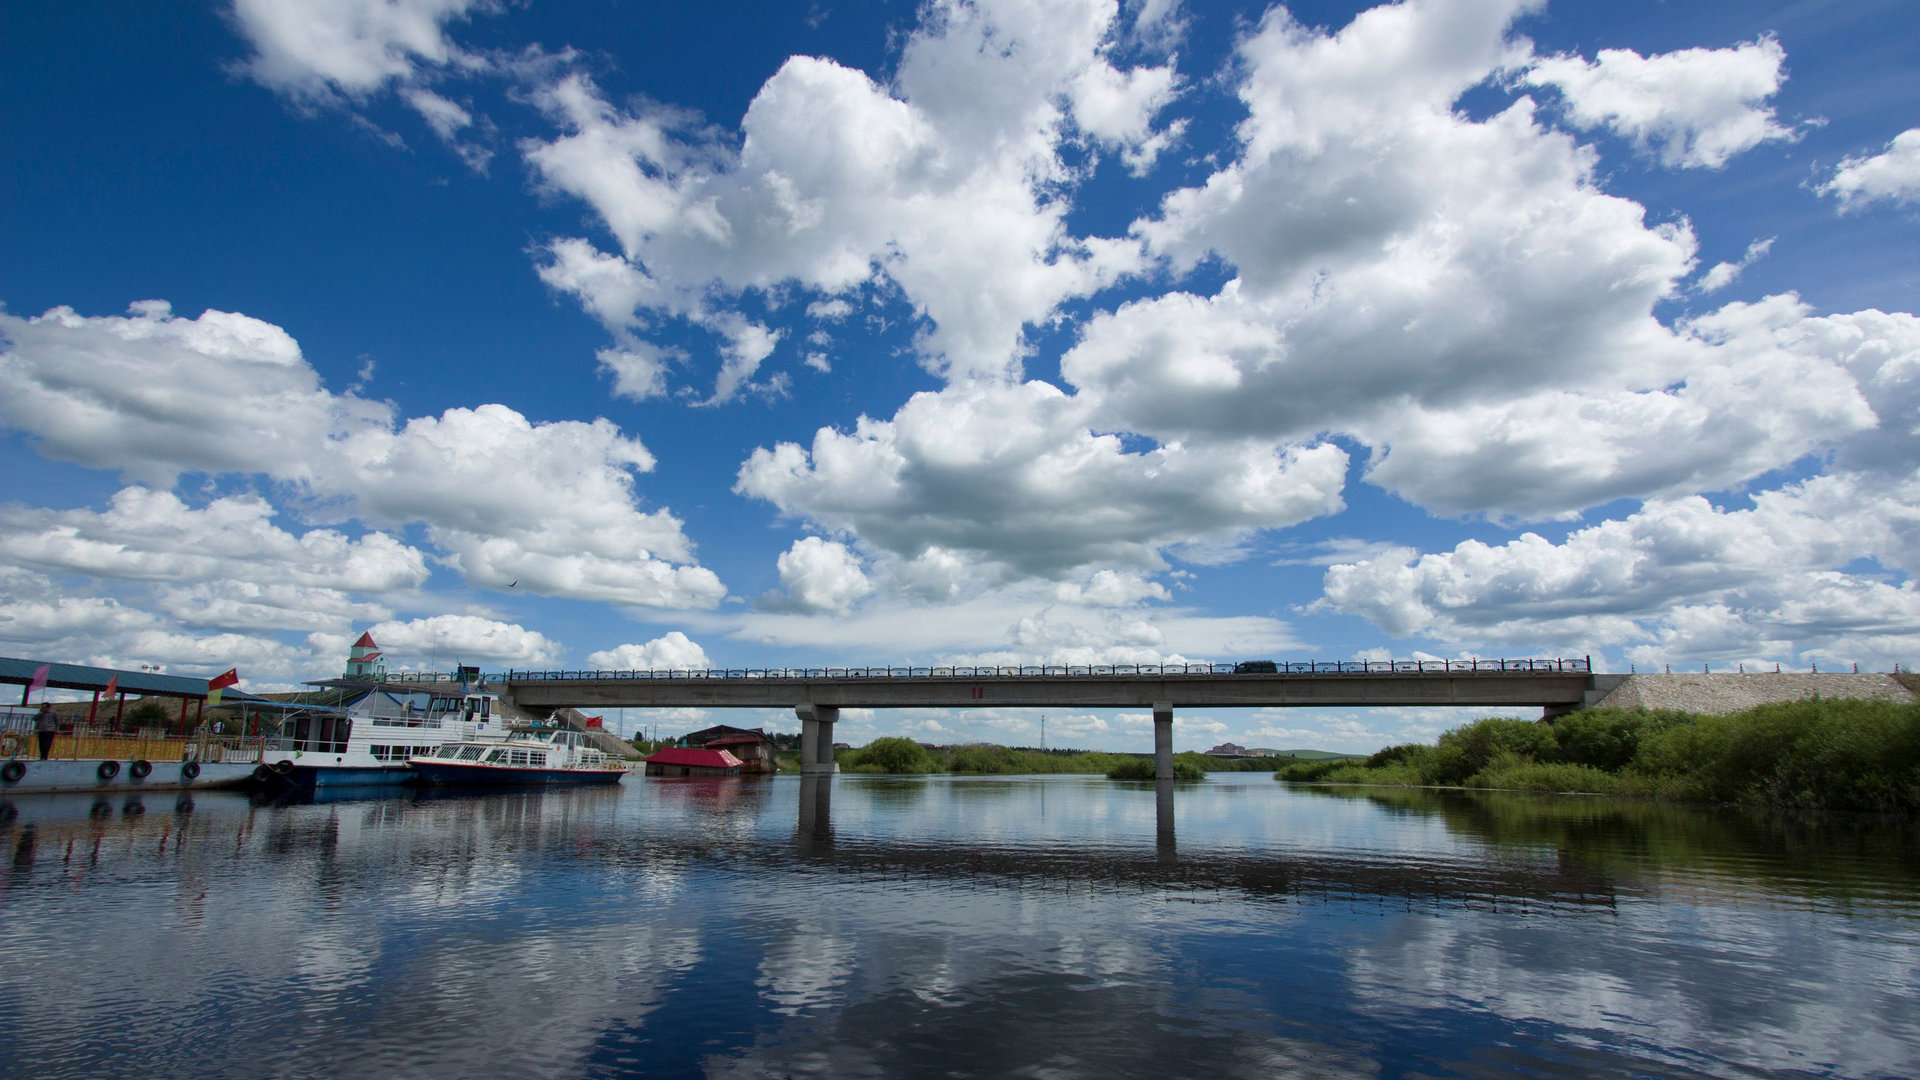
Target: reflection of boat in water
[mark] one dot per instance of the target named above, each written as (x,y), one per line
(526,756)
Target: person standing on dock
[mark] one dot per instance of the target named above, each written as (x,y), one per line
(45,725)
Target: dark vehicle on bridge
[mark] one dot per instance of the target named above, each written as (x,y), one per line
(1256,667)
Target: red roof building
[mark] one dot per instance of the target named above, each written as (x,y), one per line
(675,761)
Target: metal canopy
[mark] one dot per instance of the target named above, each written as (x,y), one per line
(80,677)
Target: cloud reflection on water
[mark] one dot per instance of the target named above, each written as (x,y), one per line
(1002,927)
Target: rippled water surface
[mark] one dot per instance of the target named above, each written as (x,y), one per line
(1046,927)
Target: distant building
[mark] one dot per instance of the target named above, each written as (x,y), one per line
(680,761)
(364,660)
(753,750)
(1227,749)
(750,745)
(718,731)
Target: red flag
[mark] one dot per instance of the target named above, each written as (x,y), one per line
(113,684)
(39,680)
(221,682)
(596,721)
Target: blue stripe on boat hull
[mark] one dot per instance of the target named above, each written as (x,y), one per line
(352,776)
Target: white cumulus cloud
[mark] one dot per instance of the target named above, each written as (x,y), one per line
(1695,108)
(672,651)
(1892,175)
(822,575)
(552,505)
(314,49)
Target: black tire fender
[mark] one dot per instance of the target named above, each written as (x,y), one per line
(140,768)
(107,770)
(284,767)
(190,771)
(12,771)
(263,772)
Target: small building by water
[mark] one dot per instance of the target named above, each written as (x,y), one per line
(684,761)
(751,745)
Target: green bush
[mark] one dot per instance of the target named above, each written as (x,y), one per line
(981,758)
(890,754)
(1842,755)
(1402,752)
(1511,773)
(1815,754)
(1465,751)
(1306,772)
(148,713)
(1608,739)
(1143,768)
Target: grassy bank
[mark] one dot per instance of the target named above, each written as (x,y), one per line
(905,757)
(1839,754)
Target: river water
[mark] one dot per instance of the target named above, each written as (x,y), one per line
(952,926)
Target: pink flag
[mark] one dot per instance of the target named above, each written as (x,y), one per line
(39,681)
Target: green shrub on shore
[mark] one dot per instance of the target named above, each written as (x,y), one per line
(890,754)
(1143,768)
(990,759)
(1307,771)
(1835,754)
(905,756)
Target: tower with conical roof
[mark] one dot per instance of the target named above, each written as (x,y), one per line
(364,660)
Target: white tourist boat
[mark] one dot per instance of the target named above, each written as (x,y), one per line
(529,755)
(368,724)
(369,741)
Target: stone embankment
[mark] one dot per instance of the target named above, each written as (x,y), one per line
(1720,694)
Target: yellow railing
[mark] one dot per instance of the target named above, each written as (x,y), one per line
(147,745)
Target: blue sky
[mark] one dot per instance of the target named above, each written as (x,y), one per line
(620,335)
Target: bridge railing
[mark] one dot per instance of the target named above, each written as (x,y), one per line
(1575,666)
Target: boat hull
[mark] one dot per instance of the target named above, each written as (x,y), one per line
(461,772)
(330,776)
(86,774)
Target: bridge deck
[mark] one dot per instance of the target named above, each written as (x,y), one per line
(1528,683)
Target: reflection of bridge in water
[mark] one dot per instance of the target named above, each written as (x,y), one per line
(80,836)
(818,694)
(1320,875)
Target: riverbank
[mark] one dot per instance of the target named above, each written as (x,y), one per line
(900,756)
(1815,754)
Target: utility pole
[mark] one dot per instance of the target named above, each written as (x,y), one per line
(1043,731)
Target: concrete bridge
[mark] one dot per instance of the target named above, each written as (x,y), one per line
(818,694)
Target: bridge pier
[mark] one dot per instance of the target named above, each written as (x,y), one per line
(1163,740)
(816,739)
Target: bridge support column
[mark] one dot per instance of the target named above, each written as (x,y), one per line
(1163,740)
(816,739)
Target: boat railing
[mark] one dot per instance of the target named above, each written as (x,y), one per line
(313,744)
(85,742)
(405,720)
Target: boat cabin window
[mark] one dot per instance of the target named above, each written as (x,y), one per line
(494,755)
(323,734)
(470,753)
